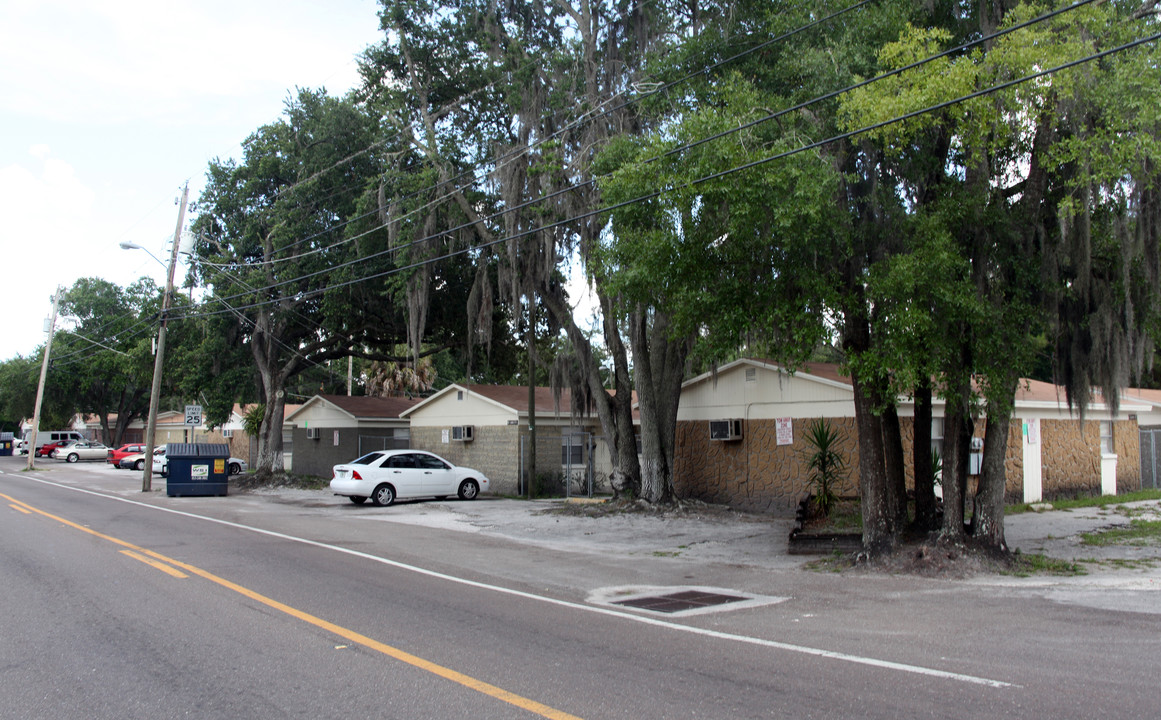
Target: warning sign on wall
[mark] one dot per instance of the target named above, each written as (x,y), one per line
(785,430)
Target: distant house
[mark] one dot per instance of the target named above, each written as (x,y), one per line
(328,430)
(486,427)
(740,429)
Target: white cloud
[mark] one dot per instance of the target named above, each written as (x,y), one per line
(124,60)
(110,105)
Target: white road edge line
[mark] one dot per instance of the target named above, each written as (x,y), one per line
(801,649)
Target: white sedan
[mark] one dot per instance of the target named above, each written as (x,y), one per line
(387,475)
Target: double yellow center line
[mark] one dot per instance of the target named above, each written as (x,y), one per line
(175,568)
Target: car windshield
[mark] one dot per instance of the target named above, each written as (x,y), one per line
(367,459)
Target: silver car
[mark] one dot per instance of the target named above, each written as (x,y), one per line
(81,450)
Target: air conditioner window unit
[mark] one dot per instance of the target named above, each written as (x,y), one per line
(227,433)
(725,430)
(463,433)
(312,433)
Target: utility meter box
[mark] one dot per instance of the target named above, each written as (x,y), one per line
(197,469)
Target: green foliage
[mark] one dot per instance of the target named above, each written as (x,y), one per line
(102,361)
(1094,501)
(252,422)
(1138,533)
(826,464)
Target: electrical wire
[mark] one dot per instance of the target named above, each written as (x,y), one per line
(585,118)
(718,175)
(541,199)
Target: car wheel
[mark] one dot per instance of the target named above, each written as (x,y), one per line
(384,495)
(358,499)
(139,465)
(235,469)
(469,490)
(72,457)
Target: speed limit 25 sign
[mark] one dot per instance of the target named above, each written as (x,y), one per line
(193,415)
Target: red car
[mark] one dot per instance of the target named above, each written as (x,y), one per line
(114,456)
(46,449)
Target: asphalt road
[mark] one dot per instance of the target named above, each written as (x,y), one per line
(120,604)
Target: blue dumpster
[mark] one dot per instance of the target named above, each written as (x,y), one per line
(197,469)
(7,442)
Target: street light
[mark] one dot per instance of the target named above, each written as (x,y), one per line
(126,245)
(159,359)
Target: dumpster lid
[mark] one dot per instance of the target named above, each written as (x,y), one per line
(197,450)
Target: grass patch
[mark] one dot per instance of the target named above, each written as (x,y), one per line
(1025,565)
(836,562)
(1099,501)
(1141,533)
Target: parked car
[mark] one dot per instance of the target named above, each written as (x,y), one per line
(47,449)
(388,475)
(55,438)
(234,466)
(114,455)
(136,461)
(81,450)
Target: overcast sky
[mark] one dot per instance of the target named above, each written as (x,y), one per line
(108,106)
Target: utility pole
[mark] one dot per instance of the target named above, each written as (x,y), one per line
(43,375)
(159,360)
(531,484)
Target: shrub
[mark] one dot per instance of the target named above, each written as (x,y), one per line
(827,467)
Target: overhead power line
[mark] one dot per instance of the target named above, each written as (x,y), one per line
(718,175)
(544,198)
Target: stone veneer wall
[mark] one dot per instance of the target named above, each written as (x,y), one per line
(1127,444)
(1071,457)
(754,473)
(758,475)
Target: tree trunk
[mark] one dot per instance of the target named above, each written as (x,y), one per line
(957,425)
(988,518)
(893,464)
(615,411)
(659,362)
(270,458)
(878,531)
(921,461)
(262,346)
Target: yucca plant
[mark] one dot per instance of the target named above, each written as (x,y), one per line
(824,462)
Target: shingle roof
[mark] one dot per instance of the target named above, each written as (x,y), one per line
(516,397)
(362,406)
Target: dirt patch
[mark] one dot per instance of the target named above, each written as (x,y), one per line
(930,557)
(684,509)
(250,482)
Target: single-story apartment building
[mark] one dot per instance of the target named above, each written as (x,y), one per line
(329,430)
(486,427)
(740,437)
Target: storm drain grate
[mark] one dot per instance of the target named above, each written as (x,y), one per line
(679,601)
